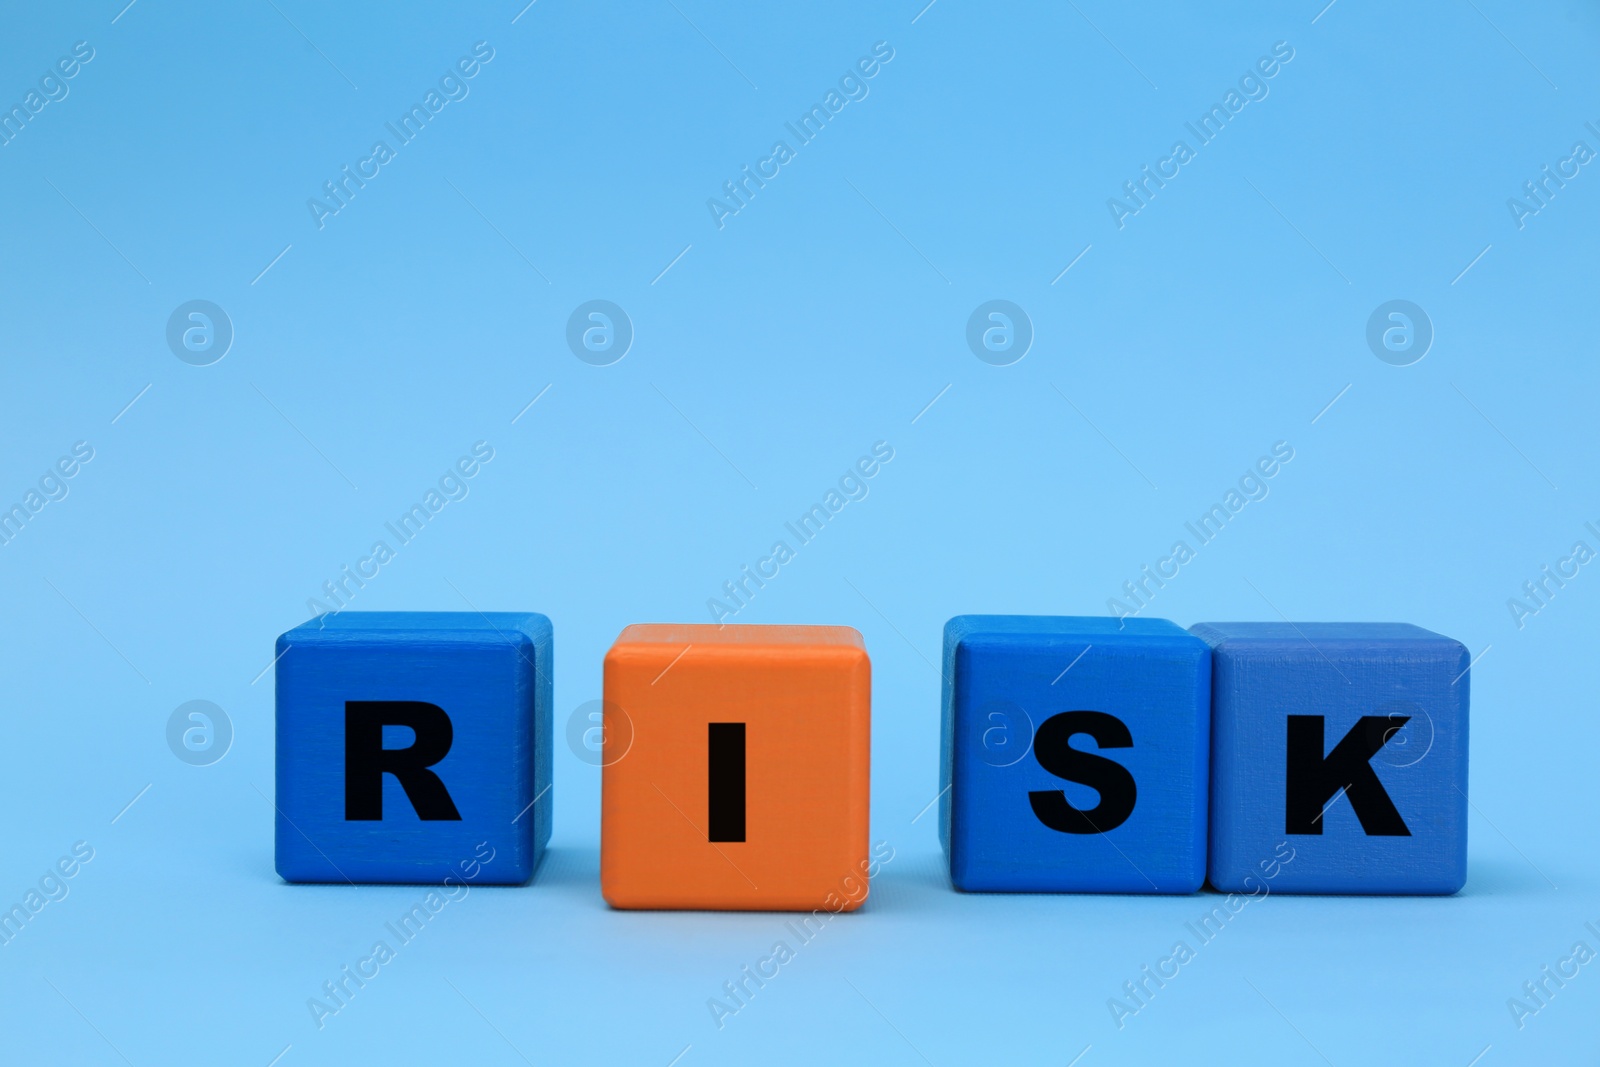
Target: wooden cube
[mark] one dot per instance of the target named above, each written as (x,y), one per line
(1075,755)
(745,784)
(1343,745)
(407,741)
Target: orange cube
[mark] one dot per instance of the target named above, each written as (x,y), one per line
(744,783)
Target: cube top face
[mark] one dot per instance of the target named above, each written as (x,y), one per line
(514,629)
(707,634)
(746,781)
(1296,637)
(406,741)
(1076,755)
(1344,745)
(1065,627)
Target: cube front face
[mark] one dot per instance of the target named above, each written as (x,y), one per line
(1345,742)
(1122,808)
(408,740)
(746,782)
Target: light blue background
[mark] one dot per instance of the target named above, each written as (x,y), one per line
(1224,317)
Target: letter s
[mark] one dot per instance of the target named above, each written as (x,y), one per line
(1053,749)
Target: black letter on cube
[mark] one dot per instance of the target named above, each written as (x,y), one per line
(725,781)
(366,761)
(1311,780)
(1052,748)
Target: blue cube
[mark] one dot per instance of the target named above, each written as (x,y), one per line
(1342,746)
(1075,755)
(410,745)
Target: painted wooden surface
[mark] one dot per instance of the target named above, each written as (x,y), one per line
(490,675)
(1074,754)
(1385,706)
(797,700)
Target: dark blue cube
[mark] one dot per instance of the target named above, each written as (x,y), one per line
(1122,808)
(1343,745)
(409,741)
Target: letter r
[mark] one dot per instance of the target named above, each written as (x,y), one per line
(366,761)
